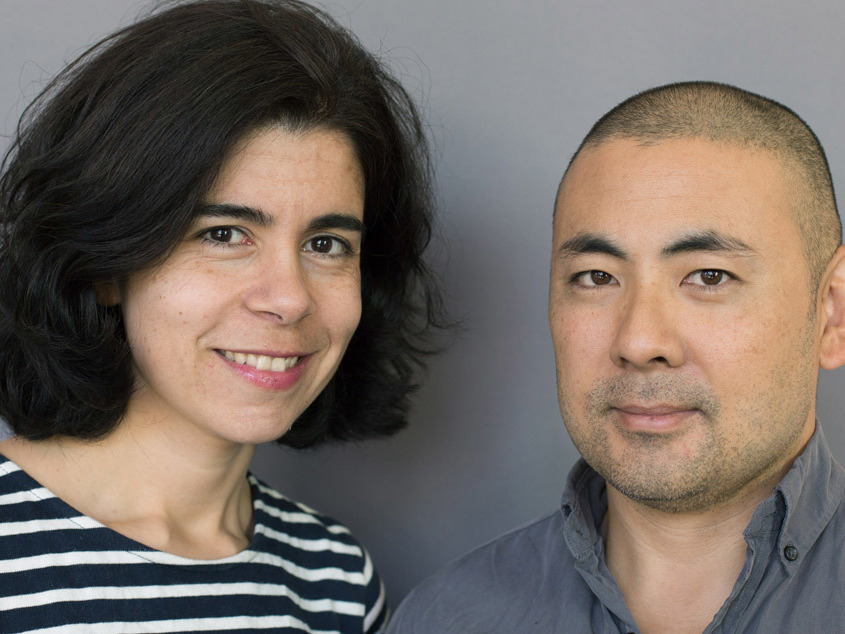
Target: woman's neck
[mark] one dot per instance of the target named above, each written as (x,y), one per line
(186,499)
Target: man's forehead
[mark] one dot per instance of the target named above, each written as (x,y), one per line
(657,193)
(718,175)
(665,156)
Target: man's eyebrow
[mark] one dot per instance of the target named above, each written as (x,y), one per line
(584,243)
(708,241)
(259,217)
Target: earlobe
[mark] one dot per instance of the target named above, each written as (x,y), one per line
(832,348)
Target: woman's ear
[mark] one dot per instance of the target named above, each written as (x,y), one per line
(108,293)
(832,348)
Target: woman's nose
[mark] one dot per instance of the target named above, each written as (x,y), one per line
(280,289)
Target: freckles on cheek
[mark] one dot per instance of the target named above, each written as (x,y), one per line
(341,305)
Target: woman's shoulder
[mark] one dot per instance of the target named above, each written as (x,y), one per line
(294,524)
(22,498)
(314,547)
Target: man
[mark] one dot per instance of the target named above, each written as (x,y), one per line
(697,284)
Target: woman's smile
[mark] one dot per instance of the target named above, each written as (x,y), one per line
(277,373)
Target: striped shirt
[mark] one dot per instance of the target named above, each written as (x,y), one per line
(61,571)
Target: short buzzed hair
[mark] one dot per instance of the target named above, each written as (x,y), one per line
(726,114)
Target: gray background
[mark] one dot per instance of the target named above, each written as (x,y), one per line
(509,89)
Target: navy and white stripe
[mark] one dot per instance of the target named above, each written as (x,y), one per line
(61,571)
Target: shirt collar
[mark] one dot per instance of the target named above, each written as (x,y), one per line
(809,493)
(583,505)
(806,499)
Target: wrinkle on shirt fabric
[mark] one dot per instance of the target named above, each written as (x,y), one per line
(550,575)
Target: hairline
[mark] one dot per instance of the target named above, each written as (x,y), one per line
(793,169)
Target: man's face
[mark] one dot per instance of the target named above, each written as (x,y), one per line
(683,323)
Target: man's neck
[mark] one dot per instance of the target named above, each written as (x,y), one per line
(675,569)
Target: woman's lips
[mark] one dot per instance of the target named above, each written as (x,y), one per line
(259,369)
(276,363)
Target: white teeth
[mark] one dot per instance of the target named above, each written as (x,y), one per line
(262,361)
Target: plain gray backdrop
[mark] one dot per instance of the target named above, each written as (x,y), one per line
(509,89)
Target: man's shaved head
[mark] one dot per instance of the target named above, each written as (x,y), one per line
(730,115)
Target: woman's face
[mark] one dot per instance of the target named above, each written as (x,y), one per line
(240,329)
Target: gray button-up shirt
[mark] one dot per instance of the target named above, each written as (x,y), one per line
(550,576)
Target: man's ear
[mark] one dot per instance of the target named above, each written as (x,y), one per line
(832,348)
(108,293)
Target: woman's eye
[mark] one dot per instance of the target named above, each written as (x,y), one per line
(709,277)
(593,278)
(225,235)
(327,245)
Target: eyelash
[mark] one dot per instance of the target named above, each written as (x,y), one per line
(205,235)
(576,279)
(710,288)
(346,247)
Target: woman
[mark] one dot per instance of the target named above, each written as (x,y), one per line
(212,234)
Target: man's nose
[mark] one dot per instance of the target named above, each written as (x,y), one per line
(280,288)
(647,330)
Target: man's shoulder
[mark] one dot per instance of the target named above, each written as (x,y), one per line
(511,558)
(516,578)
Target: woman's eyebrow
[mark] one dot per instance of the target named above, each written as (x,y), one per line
(239,212)
(336,221)
(348,222)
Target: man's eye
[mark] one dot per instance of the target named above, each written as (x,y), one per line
(593,278)
(708,277)
(327,245)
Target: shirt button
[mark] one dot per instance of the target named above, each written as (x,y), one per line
(790,552)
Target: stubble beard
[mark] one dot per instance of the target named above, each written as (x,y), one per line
(713,467)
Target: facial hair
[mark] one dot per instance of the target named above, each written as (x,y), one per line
(697,466)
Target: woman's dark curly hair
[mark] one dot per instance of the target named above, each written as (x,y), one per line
(112,162)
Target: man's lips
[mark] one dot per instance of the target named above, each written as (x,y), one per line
(651,410)
(652,418)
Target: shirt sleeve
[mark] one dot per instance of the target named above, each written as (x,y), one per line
(375,601)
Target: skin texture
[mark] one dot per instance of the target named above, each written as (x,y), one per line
(687,341)
(271,269)
(686,371)
(235,285)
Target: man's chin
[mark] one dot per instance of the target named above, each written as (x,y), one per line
(666,499)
